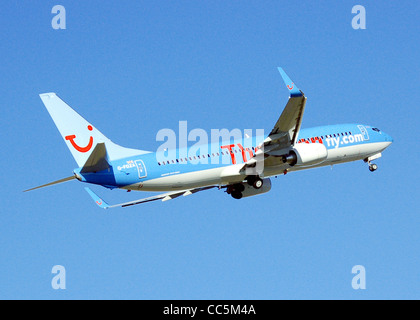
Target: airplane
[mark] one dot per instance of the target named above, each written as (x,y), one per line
(242,169)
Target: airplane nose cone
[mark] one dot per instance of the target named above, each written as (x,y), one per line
(388,138)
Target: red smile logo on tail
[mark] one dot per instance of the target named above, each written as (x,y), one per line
(78,148)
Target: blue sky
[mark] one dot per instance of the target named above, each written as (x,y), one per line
(133,68)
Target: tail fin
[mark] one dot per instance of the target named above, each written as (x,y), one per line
(80,135)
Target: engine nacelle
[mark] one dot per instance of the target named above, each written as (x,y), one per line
(304,154)
(250,191)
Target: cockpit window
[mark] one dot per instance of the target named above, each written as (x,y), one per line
(376,129)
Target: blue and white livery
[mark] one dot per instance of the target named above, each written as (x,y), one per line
(242,169)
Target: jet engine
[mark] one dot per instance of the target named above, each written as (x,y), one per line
(304,154)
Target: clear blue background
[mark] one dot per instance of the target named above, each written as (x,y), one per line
(133,68)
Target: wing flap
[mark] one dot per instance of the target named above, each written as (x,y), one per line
(288,124)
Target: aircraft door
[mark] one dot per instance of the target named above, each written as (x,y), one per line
(364,132)
(141,168)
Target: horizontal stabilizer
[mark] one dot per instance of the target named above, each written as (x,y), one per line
(96,198)
(52,183)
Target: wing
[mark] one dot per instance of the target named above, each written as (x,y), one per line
(285,131)
(164,197)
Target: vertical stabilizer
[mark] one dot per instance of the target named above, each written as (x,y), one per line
(80,136)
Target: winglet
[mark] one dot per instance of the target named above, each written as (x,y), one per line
(96,198)
(293,89)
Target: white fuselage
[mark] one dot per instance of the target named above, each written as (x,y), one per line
(221,175)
